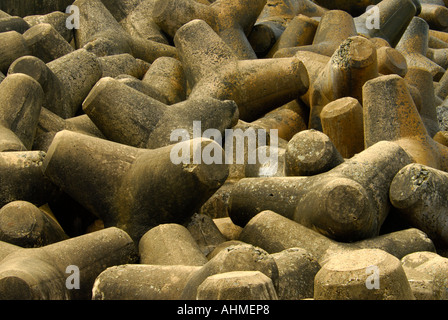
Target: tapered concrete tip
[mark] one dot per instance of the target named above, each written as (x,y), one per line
(408,185)
(419,258)
(391,61)
(346,201)
(415,38)
(21,77)
(196,24)
(53,147)
(14,288)
(310,152)
(339,208)
(339,107)
(366,274)
(141,282)
(355,52)
(441,16)
(88,103)
(160,8)
(20,106)
(385,81)
(17,220)
(30,65)
(38,30)
(297,269)
(262,38)
(210,172)
(335,24)
(342,121)
(244,257)
(303,75)
(170,244)
(9,141)
(237,285)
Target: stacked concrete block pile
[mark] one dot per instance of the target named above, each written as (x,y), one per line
(224,150)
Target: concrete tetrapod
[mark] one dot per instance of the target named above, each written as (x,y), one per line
(25,225)
(334,27)
(46,43)
(127,116)
(123,64)
(13,23)
(243,149)
(422,80)
(342,122)
(297,269)
(237,285)
(231,20)
(420,194)
(393,18)
(78,72)
(348,203)
(57,19)
(14,46)
(310,152)
(45,273)
(257,86)
(275,233)
(137,19)
(241,257)
(414,46)
(101,34)
(353,64)
(142,282)
(427,273)
(365,274)
(20,106)
(391,61)
(166,78)
(131,188)
(49,124)
(55,98)
(22,178)
(276,18)
(300,31)
(435,15)
(4,14)
(204,232)
(390,114)
(439,35)
(170,244)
